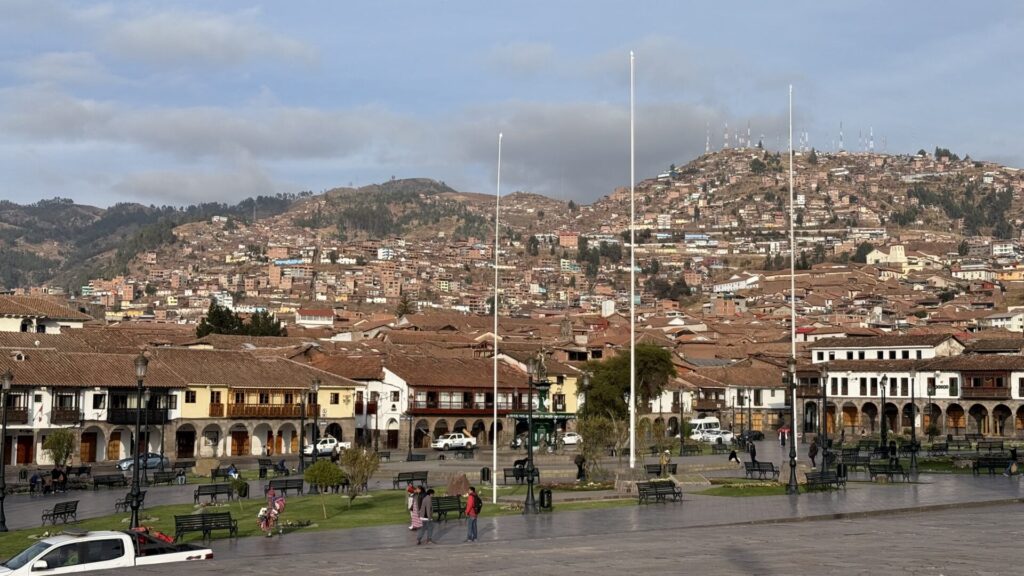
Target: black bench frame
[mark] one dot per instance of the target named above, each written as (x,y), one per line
(444,504)
(659,490)
(212,490)
(403,478)
(63,511)
(205,523)
(283,485)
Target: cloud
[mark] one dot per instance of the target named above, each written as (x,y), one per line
(521,58)
(64,68)
(177,38)
(189,186)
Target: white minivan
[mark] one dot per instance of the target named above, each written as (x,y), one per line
(699,425)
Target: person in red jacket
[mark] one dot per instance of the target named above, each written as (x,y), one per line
(473,505)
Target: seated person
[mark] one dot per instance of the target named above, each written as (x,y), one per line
(232,471)
(47,484)
(180,476)
(282,468)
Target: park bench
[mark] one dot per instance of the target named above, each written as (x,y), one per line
(938,449)
(659,490)
(990,446)
(880,453)
(817,480)
(281,469)
(264,464)
(519,474)
(867,445)
(691,449)
(974,437)
(765,469)
(125,503)
(384,456)
(416,458)
(212,490)
(857,461)
(445,504)
(283,485)
(109,480)
(655,469)
(891,472)
(465,454)
(404,478)
(219,472)
(908,448)
(185,465)
(717,448)
(80,471)
(62,511)
(205,523)
(992,463)
(959,446)
(164,477)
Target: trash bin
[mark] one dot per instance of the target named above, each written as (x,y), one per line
(23,474)
(243,490)
(545,499)
(263,472)
(485,475)
(841,471)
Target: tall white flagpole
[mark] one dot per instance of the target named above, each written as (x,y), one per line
(632,270)
(792,265)
(494,423)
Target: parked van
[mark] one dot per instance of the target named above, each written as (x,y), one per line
(704,424)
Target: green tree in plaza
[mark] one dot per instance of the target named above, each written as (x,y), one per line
(607,392)
(359,466)
(59,446)
(323,475)
(598,435)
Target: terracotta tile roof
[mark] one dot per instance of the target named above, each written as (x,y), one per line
(370,367)
(243,369)
(36,307)
(882,341)
(454,372)
(84,369)
(233,342)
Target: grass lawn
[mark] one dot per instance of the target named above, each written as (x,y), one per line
(741,489)
(379,508)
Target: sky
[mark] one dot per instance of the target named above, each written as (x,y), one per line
(183,102)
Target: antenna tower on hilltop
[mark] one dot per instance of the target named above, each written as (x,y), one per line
(725,137)
(707,137)
(840,135)
(871,142)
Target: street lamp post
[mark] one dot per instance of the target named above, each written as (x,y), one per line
(823,377)
(790,377)
(538,379)
(8,377)
(376,423)
(749,401)
(141,362)
(302,434)
(884,433)
(913,422)
(314,401)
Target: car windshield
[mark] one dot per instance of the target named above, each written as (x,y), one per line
(25,555)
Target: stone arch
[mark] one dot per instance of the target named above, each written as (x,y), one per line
(286,441)
(211,441)
(890,418)
(440,427)
(869,417)
(479,431)
(334,430)
(262,439)
(1001,416)
(500,427)
(978,421)
(811,417)
(930,414)
(239,440)
(1019,421)
(956,419)
(422,434)
(830,419)
(673,426)
(851,416)
(907,416)
(120,442)
(92,445)
(659,427)
(392,429)
(460,426)
(185,437)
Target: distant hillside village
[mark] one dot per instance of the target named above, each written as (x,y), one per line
(908,291)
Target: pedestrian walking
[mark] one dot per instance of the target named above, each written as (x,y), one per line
(894,458)
(426,512)
(410,505)
(473,506)
(753,452)
(782,438)
(580,462)
(812,452)
(663,461)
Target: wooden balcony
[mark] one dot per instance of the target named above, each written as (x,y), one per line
(807,391)
(708,405)
(464,408)
(271,410)
(371,408)
(65,416)
(216,410)
(17,415)
(985,393)
(127,416)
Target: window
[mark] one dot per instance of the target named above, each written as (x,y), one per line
(835,386)
(65,400)
(558,402)
(846,386)
(102,550)
(190,397)
(918,354)
(289,398)
(860,355)
(904,386)
(239,397)
(954,387)
(264,398)
(215,397)
(172,401)
(396,396)
(335,398)
(66,555)
(892,386)
(906,354)
(37,398)
(758,401)
(821,356)
(99,401)
(863,386)
(831,354)
(892,354)
(874,386)
(849,355)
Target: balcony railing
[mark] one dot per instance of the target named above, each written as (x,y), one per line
(127,416)
(271,410)
(216,410)
(17,415)
(708,405)
(65,416)
(985,392)
(371,408)
(434,406)
(807,391)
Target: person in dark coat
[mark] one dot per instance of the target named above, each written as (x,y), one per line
(580,462)
(753,452)
(894,456)
(812,452)
(426,513)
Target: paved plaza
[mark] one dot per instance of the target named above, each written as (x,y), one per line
(943,524)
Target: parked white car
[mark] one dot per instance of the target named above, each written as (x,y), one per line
(453,441)
(571,438)
(326,446)
(101,550)
(713,436)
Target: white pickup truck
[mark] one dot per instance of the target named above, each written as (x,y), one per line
(453,441)
(101,550)
(326,446)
